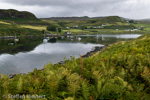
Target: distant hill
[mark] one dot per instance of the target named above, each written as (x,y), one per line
(144,20)
(13,14)
(20,17)
(107,19)
(67,18)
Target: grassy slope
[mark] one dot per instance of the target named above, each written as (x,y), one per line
(21,23)
(37,25)
(112,22)
(12,13)
(10,28)
(120,71)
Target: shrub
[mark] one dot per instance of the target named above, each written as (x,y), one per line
(51,28)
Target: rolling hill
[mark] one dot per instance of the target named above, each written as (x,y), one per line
(11,13)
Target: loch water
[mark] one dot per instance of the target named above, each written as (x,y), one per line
(28,53)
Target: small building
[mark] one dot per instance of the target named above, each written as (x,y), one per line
(67,27)
(127,30)
(100,27)
(104,25)
(135,29)
(68,32)
(95,27)
(75,26)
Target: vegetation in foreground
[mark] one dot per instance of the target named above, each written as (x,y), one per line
(120,71)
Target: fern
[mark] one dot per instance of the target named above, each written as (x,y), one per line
(69,98)
(20,84)
(73,83)
(85,90)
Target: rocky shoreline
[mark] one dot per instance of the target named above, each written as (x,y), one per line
(88,54)
(96,49)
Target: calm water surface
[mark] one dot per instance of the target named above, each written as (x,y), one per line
(26,54)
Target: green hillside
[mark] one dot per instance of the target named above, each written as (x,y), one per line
(13,22)
(11,29)
(120,71)
(95,25)
(80,21)
(11,13)
(20,17)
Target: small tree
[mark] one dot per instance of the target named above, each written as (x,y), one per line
(51,28)
(43,31)
(83,27)
(59,30)
(131,21)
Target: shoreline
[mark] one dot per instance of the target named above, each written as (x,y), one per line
(88,54)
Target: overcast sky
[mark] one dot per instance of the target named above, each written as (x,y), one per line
(135,9)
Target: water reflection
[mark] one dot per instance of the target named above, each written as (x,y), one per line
(27,54)
(44,53)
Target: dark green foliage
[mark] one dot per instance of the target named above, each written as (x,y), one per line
(83,27)
(131,21)
(11,13)
(93,21)
(43,31)
(120,27)
(51,28)
(59,30)
(62,24)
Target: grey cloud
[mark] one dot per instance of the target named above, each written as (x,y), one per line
(51,8)
(61,2)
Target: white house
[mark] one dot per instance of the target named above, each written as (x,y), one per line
(104,25)
(75,26)
(95,27)
(68,32)
(127,30)
(67,27)
(135,29)
(100,27)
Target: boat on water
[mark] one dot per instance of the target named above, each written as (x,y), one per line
(45,40)
(16,40)
(79,39)
(97,36)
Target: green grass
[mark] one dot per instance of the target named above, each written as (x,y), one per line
(40,28)
(102,31)
(120,71)
(76,31)
(112,22)
(8,25)
(10,28)
(2,22)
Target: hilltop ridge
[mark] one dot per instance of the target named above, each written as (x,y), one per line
(11,13)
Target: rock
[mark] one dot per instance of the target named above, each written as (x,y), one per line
(12,76)
(62,62)
(95,49)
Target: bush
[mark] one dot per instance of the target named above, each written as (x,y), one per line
(51,28)
(59,30)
